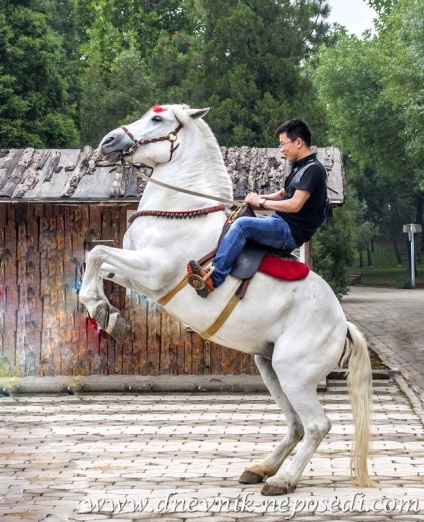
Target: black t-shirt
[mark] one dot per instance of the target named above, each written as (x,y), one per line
(304,223)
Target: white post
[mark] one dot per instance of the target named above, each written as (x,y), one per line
(411,229)
(411,238)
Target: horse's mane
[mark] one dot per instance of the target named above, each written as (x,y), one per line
(219,182)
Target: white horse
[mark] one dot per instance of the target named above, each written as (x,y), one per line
(296,330)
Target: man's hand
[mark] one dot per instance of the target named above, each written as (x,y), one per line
(252,199)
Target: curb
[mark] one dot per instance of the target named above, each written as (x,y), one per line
(10,386)
(133,384)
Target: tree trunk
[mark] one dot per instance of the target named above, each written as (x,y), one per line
(369,255)
(394,226)
(420,221)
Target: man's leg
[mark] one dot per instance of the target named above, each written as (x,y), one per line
(272,231)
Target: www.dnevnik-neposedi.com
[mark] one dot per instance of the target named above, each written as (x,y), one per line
(288,506)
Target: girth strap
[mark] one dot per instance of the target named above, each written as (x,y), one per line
(226,312)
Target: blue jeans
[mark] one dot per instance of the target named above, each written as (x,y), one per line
(272,231)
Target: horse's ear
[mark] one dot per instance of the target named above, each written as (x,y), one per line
(197,113)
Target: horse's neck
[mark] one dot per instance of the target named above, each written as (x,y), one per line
(203,172)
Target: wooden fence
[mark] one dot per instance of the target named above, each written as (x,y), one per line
(44,330)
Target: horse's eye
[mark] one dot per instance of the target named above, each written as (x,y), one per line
(157,118)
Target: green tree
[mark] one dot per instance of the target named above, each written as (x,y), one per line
(401,44)
(352,83)
(134,55)
(333,248)
(125,98)
(251,60)
(382,6)
(34,107)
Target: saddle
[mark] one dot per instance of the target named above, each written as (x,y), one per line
(255,257)
(252,257)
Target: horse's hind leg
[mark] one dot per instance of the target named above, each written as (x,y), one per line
(316,425)
(271,464)
(300,388)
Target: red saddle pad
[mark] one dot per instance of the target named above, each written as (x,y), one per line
(283,268)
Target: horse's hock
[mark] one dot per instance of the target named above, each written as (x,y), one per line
(55,205)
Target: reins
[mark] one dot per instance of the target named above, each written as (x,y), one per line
(185,191)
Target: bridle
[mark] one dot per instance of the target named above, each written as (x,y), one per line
(172,137)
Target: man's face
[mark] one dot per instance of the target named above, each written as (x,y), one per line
(289,148)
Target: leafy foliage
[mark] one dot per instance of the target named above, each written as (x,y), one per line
(70,70)
(33,92)
(333,249)
(372,90)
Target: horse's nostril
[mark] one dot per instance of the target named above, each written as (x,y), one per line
(109,140)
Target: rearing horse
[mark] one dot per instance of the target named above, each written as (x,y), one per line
(296,330)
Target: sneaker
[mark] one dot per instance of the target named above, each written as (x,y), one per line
(200,279)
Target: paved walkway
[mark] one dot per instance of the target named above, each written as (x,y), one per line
(177,456)
(393,321)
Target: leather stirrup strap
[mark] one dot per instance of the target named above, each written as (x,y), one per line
(223,316)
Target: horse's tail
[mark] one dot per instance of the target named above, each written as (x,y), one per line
(359,383)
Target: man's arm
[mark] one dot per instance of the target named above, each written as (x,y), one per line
(292,205)
(276,196)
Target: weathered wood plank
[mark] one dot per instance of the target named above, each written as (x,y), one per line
(197,355)
(33,311)
(9,262)
(180,349)
(139,337)
(70,291)
(216,359)
(166,339)
(2,276)
(174,363)
(230,359)
(79,232)
(153,339)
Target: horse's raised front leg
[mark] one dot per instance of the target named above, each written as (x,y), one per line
(110,273)
(268,467)
(119,266)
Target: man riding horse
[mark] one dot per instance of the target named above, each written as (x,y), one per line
(296,329)
(299,208)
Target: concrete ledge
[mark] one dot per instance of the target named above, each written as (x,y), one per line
(136,384)
(133,384)
(150,384)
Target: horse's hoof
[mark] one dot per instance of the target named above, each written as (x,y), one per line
(101,314)
(118,328)
(250,477)
(270,490)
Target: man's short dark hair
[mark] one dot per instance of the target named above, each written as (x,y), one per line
(296,128)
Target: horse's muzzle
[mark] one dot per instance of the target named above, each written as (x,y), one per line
(114,146)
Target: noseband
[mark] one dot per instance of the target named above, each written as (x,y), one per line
(172,137)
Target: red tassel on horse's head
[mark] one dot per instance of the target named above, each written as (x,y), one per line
(158,108)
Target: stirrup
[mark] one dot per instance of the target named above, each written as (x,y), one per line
(197,281)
